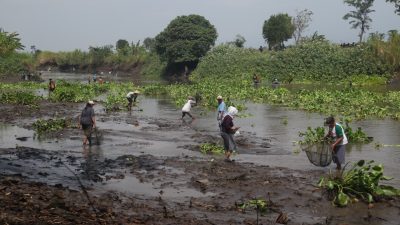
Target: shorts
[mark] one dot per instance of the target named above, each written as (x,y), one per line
(338,154)
(87,129)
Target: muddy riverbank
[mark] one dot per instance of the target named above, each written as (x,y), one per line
(148,170)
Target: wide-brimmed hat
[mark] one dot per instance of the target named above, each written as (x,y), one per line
(90,102)
(136,92)
(219,97)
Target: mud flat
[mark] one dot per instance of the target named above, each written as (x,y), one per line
(148,170)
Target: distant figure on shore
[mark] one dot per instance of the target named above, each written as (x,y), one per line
(275,83)
(101,81)
(94,78)
(261,48)
(89,79)
(52,85)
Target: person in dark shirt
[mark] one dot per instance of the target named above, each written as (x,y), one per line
(87,122)
(228,129)
(52,85)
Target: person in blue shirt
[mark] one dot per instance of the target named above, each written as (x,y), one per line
(221,109)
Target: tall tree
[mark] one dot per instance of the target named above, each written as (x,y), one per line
(359,18)
(278,29)
(121,44)
(185,39)
(301,23)
(239,41)
(148,43)
(396,5)
(9,42)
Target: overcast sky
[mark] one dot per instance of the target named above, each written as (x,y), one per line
(64,25)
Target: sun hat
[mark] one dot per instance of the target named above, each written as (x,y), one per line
(91,102)
(219,97)
(232,110)
(136,92)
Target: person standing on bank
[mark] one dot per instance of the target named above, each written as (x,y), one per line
(228,129)
(87,122)
(221,110)
(336,131)
(52,85)
(186,108)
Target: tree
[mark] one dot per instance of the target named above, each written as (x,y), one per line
(149,43)
(396,5)
(278,29)
(301,23)
(9,42)
(122,46)
(239,41)
(360,17)
(185,39)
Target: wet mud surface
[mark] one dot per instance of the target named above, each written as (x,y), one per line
(148,170)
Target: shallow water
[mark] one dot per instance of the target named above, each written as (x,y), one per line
(141,132)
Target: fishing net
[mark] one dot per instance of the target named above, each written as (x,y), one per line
(319,154)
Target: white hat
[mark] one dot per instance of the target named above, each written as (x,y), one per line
(219,97)
(91,102)
(136,92)
(232,110)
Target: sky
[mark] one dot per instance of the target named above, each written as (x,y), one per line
(65,25)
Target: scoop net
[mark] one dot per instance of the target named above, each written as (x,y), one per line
(319,154)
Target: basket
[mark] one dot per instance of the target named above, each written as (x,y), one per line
(319,154)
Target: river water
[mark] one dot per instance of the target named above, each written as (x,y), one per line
(137,133)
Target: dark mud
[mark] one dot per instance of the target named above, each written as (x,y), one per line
(123,182)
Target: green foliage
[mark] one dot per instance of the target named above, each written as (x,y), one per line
(278,29)
(260,205)
(42,126)
(361,181)
(185,39)
(316,60)
(312,136)
(116,96)
(121,44)
(76,92)
(209,148)
(16,64)
(9,43)
(359,18)
(317,135)
(19,93)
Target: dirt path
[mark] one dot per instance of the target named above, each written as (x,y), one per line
(69,186)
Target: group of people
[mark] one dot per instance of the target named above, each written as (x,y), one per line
(225,118)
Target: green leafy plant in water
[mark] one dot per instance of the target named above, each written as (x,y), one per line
(312,136)
(42,126)
(260,205)
(210,148)
(361,181)
(317,135)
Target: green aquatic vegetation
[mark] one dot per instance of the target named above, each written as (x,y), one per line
(317,135)
(42,126)
(116,96)
(359,182)
(312,136)
(210,148)
(76,92)
(18,97)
